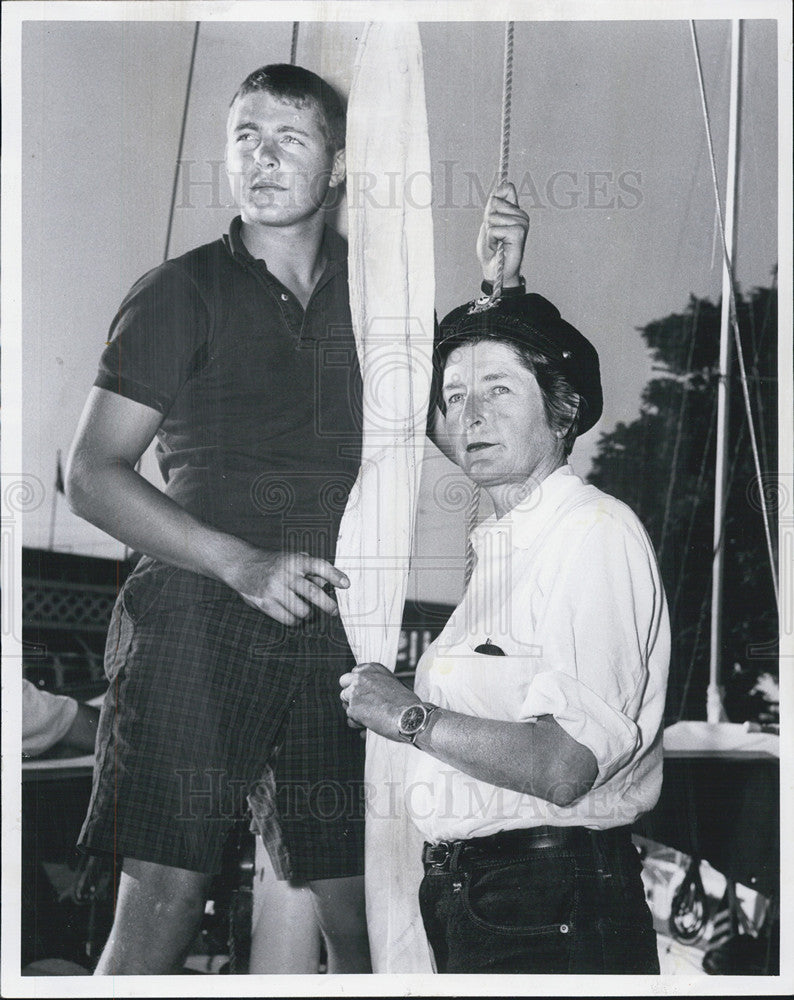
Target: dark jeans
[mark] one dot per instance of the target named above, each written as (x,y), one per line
(507,905)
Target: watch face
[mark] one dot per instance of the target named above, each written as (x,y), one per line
(411,720)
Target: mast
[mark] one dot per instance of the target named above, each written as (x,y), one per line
(714,708)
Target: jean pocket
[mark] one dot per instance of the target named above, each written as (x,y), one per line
(144,586)
(529,896)
(119,640)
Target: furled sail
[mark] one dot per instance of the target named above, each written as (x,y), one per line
(391,297)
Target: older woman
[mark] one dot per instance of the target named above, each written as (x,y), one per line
(536,717)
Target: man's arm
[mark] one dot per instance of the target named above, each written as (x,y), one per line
(103,487)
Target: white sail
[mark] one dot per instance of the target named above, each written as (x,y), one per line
(392,293)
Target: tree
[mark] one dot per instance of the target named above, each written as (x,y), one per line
(662,465)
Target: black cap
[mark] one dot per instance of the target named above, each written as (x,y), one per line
(533,321)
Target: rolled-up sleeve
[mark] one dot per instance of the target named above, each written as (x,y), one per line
(46,718)
(602,614)
(609,735)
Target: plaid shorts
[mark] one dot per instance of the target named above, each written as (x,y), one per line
(209,702)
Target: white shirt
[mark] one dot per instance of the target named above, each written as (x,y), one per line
(567,585)
(46,718)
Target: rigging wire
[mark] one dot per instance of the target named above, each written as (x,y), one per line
(181,142)
(757,378)
(698,495)
(690,670)
(679,433)
(698,490)
(175,185)
(704,605)
(732,313)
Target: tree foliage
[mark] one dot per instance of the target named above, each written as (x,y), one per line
(662,464)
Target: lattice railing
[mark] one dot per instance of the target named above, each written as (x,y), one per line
(59,604)
(64,624)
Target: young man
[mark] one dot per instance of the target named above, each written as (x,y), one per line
(225,647)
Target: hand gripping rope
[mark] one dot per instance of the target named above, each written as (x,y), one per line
(486,302)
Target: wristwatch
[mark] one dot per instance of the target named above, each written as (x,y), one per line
(414,720)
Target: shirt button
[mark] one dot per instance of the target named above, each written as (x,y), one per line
(284,297)
(564,928)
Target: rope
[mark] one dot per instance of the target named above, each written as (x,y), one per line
(293,52)
(732,313)
(471,524)
(504,149)
(496,292)
(181,142)
(487,301)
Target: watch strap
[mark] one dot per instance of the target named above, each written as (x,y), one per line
(430,720)
(430,710)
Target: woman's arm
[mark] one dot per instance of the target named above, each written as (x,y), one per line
(504,225)
(534,758)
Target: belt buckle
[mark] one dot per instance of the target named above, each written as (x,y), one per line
(437,855)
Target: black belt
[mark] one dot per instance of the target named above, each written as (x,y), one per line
(449,854)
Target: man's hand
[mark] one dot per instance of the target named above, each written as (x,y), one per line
(503,221)
(286,586)
(373,697)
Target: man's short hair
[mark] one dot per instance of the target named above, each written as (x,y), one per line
(300,86)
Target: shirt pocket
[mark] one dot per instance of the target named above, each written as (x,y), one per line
(489,687)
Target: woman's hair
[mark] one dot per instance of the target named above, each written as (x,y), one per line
(561,403)
(300,86)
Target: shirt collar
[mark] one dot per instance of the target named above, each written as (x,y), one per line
(522,524)
(334,245)
(234,240)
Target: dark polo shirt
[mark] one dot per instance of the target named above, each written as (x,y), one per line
(261,400)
